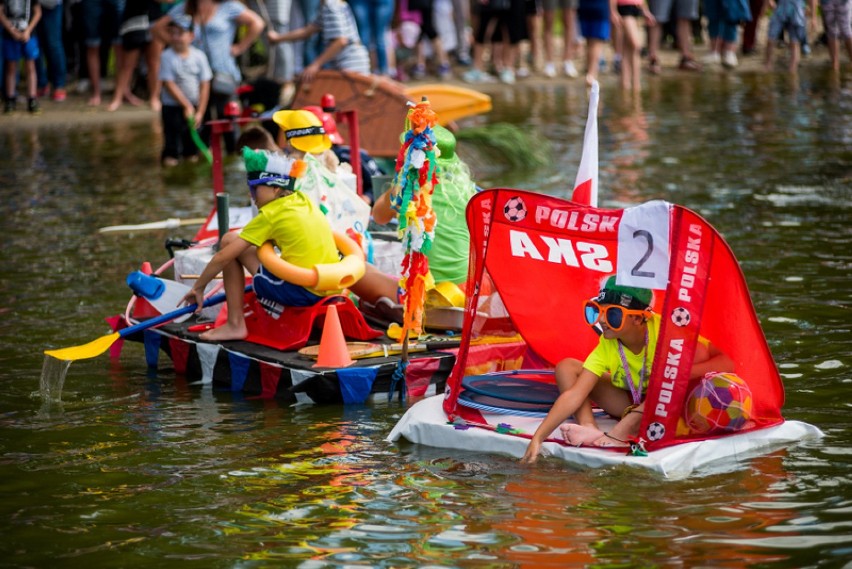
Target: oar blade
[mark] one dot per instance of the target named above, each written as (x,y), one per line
(90,350)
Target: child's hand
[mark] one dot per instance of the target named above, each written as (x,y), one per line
(193,297)
(310,72)
(615,19)
(198,118)
(189,111)
(273,36)
(650,20)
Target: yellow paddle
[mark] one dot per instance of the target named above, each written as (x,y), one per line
(102,344)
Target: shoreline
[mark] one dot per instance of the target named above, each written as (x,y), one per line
(75,111)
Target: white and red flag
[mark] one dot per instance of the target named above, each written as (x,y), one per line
(586,183)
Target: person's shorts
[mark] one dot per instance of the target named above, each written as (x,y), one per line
(630,11)
(551,5)
(794,28)
(101,20)
(135,33)
(595,29)
(662,9)
(269,287)
(14,50)
(837,18)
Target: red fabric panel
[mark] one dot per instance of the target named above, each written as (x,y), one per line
(180,354)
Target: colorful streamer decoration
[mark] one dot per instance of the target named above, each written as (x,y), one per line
(413,185)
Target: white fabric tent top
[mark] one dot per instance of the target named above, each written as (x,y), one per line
(426,423)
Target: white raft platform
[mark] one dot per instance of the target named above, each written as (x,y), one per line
(426,423)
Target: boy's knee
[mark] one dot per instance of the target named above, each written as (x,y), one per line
(567,371)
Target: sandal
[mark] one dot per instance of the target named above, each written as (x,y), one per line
(689,64)
(654,66)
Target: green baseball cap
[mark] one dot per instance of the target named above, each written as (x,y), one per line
(631,297)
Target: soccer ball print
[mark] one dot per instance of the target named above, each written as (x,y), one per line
(515,209)
(680,316)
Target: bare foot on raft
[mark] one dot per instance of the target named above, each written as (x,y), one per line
(580,434)
(225,333)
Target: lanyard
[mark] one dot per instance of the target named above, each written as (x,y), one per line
(635,392)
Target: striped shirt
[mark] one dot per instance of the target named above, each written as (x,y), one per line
(335,20)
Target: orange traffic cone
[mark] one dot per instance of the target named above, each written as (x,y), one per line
(332,351)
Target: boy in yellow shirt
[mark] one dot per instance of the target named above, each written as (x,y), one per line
(615,375)
(289,219)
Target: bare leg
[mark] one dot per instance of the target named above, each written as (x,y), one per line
(795,55)
(32,84)
(152,57)
(684,37)
(234,278)
(122,81)
(567,372)
(93,63)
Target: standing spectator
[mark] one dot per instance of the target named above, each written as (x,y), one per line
(627,19)
(685,11)
(461,22)
(19,19)
(757,8)
(135,36)
(374,19)
(186,76)
(426,8)
(101,20)
(594,16)
(307,50)
(51,69)
(837,20)
(342,47)
(723,20)
(281,66)
(215,29)
(568,10)
(789,16)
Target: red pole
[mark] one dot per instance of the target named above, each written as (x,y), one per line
(351,118)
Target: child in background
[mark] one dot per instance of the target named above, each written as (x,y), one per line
(837,21)
(788,15)
(291,221)
(186,74)
(19,19)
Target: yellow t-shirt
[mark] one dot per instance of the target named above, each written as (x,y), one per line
(298,228)
(605,358)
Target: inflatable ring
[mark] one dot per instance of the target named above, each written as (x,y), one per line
(322,277)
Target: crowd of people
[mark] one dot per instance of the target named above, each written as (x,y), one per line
(47,42)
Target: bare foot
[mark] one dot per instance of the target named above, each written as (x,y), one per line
(114,105)
(133,100)
(95,101)
(580,434)
(225,333)
(608,441)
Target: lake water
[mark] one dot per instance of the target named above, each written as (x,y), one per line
(135,468)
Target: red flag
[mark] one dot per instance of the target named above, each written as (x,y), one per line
(586,183)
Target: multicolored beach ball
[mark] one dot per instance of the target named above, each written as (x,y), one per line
(720,402)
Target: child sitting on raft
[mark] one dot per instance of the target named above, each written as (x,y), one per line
(615,374)
(289,219)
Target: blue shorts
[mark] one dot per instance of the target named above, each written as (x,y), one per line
(595,29)
(14,50)
(102,18)
(269,287)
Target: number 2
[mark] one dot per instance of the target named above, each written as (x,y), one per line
(650,239)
